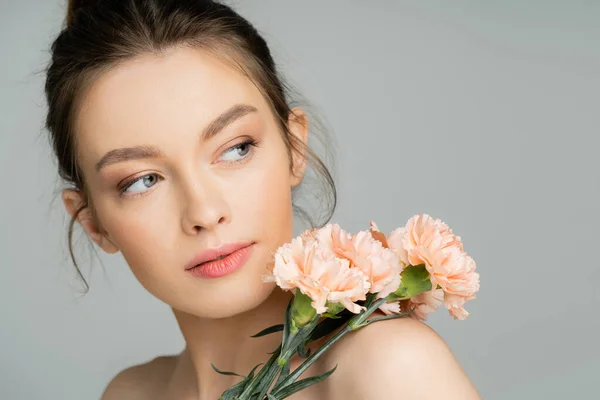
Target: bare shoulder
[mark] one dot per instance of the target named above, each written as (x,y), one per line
(399,357)
(144,381)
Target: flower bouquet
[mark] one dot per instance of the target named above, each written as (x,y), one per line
(339,280)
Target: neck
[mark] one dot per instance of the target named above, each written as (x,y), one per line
(227,343)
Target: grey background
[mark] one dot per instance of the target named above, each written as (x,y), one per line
(484,114)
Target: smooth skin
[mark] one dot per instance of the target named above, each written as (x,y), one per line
(213,169)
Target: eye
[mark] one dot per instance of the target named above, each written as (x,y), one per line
(141,184)
(238,152)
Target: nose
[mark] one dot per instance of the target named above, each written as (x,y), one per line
(205,207)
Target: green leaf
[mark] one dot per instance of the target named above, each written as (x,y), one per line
(268,379)
(225,372)
(237,389)
(271,397)
(287,323)
(370,299)
(233,392)
(303,351)
(415,280)
(329,325)
(300,370)
(252,385)
(251,374)
(269,330)
(416,273)
(295,339)
(303,384)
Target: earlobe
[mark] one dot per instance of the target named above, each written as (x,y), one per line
(298,126)
(74,201)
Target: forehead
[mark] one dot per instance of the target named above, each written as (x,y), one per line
(152,98)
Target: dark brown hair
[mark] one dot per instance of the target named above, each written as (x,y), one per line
(100,34)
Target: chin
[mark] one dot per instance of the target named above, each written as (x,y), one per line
(233,299)
(243,305)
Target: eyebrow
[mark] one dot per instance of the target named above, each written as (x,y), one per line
(211,130)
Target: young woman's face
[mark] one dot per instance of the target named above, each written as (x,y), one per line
(182,154)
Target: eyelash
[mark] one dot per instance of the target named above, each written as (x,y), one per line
(249,142)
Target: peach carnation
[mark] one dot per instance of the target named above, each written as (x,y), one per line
(380,264)
(429,241)
(454,272)
(318,273)
(422,232)
(424,304)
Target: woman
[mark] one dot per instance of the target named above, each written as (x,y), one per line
(173,127)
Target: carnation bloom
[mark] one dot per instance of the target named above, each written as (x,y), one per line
(422,231)
(319,274)
(335,238)
(423,304)
(393,307)
(380,264)
(454,271)
(429,241)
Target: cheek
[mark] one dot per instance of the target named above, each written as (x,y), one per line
(266,201)
(145,237)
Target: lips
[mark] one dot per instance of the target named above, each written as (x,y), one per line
(211,255)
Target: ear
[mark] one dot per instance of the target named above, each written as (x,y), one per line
(298,126)
(73,200)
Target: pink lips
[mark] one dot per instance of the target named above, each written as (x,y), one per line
(215,263)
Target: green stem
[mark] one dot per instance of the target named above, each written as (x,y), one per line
(360,320)
(294,340)
(353,324)
(278,360)
(304,366)
(267,370)
(370,299)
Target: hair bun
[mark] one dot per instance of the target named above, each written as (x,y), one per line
(72,8)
